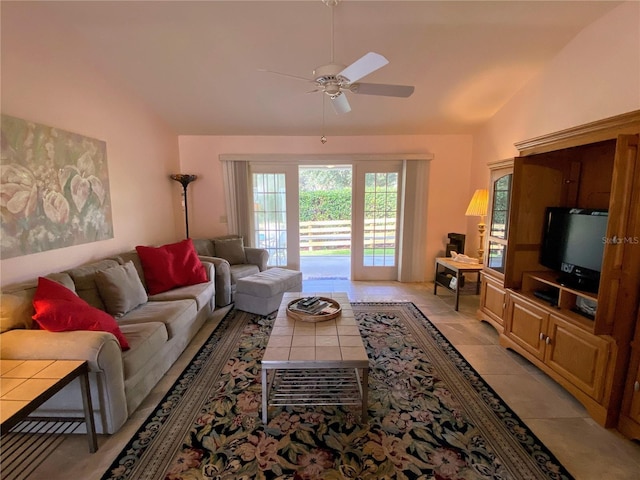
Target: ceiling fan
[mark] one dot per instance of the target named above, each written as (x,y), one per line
(335,80)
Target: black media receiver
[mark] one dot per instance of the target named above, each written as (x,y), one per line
(547,296)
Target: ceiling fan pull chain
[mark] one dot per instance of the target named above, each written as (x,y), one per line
(323,139)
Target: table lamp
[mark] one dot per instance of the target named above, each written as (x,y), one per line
(478,208)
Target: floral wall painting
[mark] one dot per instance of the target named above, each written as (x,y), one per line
(54,189)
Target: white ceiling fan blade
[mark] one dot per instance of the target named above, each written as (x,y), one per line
(382,89)
(363,67)
(286,75)
(340,104)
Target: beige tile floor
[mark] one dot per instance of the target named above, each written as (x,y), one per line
(586,449)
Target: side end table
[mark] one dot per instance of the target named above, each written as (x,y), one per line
(27,384)
(459,268)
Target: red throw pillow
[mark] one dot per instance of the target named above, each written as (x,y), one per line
(170,266)
(58,309)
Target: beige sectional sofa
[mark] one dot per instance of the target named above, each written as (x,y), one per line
(157,330)
(232,261)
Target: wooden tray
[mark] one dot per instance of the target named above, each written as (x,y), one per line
(307,317)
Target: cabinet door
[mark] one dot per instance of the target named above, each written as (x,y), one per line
(526,325)
(499,217)
(492,299)
(577,355)
(630,412)
(538,182)
(620,281)
(634,388)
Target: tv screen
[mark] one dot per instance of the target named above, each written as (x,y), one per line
(573,243)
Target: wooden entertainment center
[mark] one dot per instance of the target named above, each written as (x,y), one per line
(597,359)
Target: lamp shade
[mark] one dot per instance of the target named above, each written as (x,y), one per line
(478,204)
(184,179)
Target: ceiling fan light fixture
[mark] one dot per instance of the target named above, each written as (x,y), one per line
(335,79)
(333,90)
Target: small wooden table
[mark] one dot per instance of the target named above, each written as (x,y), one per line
(315,363)
(459,268)
(27,384)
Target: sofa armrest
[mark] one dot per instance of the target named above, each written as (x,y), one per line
(222,279)
(210,268)
(106,372)
(100,349)
(257,256)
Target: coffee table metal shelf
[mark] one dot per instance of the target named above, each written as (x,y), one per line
(316,387)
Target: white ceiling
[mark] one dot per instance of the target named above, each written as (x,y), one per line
(196,63)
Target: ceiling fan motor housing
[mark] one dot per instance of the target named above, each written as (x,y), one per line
(326,76)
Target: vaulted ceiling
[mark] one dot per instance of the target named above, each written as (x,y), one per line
(197,63)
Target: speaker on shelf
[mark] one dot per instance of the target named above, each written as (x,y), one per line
(456,243)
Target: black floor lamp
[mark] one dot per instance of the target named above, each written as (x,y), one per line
(184,180)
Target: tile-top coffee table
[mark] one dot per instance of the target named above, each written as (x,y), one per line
(322,363)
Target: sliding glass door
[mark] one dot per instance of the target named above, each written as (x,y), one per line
(374,230)
(325,221)
(375,220)
(275,213)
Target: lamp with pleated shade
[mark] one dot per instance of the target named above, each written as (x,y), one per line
(478,208)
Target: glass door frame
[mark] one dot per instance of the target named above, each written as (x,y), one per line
(290,171)
(497,239)
(413,264)
(360,271)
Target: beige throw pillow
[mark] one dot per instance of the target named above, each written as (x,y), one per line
(16,310)
(231,249)
(121,289)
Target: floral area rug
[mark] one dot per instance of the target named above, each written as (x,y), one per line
(431,415)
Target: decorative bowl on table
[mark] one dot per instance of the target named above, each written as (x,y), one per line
(313,309)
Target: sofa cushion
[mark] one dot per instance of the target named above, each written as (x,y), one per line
(16,302)
(270,283)
(16,310)
(201,293)
(231,249)
(133,257)
(170,266)
(176,315)
(58,309)
(84,278)
(146,340)
(121,289)
(63,279)
(241,271)
(204,247)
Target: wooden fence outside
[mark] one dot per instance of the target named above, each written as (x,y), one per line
(336,234)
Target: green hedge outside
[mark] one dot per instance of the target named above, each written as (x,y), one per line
(326,205)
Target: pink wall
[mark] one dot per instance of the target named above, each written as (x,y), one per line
(449,174)
(597,75)
(47,79)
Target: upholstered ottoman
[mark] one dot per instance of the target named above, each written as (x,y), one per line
(262,292)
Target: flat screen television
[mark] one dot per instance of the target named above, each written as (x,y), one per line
(573,244)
